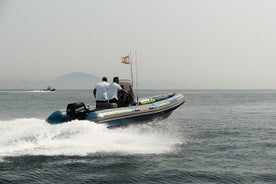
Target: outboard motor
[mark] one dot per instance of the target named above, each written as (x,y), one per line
(77,111)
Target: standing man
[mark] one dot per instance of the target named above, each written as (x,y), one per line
(100,91)
(113,90)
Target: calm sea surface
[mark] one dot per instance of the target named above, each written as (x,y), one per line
(217,136)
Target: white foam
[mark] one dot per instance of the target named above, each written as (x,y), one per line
(25,91)
(37,137)
(40,91)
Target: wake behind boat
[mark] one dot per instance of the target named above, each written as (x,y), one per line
(123,113)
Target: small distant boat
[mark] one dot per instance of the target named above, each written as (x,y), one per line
(49,88)
(125,112)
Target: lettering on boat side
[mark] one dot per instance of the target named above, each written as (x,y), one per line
(119,111)
(147,101)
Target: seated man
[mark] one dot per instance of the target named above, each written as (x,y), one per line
(113,90)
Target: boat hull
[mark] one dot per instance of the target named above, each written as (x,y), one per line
(143,118)
(158,107)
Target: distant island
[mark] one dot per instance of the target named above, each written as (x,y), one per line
(74,80)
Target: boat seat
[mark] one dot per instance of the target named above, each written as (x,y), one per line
(101,106)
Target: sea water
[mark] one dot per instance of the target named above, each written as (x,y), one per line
(217,136)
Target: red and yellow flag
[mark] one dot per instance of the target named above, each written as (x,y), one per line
(125,59)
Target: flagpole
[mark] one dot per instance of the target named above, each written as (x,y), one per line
(131,72)
(128,60)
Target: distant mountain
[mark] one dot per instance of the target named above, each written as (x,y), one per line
(76,76)
(75,80)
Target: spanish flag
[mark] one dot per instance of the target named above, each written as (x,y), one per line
(125,60)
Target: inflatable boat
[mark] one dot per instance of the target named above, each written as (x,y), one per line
(125,112)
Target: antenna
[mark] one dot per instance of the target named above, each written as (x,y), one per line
(136,81)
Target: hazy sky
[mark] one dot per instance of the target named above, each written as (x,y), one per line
(184,44)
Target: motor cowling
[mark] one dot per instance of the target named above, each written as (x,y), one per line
(77,111)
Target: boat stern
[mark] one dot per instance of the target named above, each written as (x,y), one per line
(57,117)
